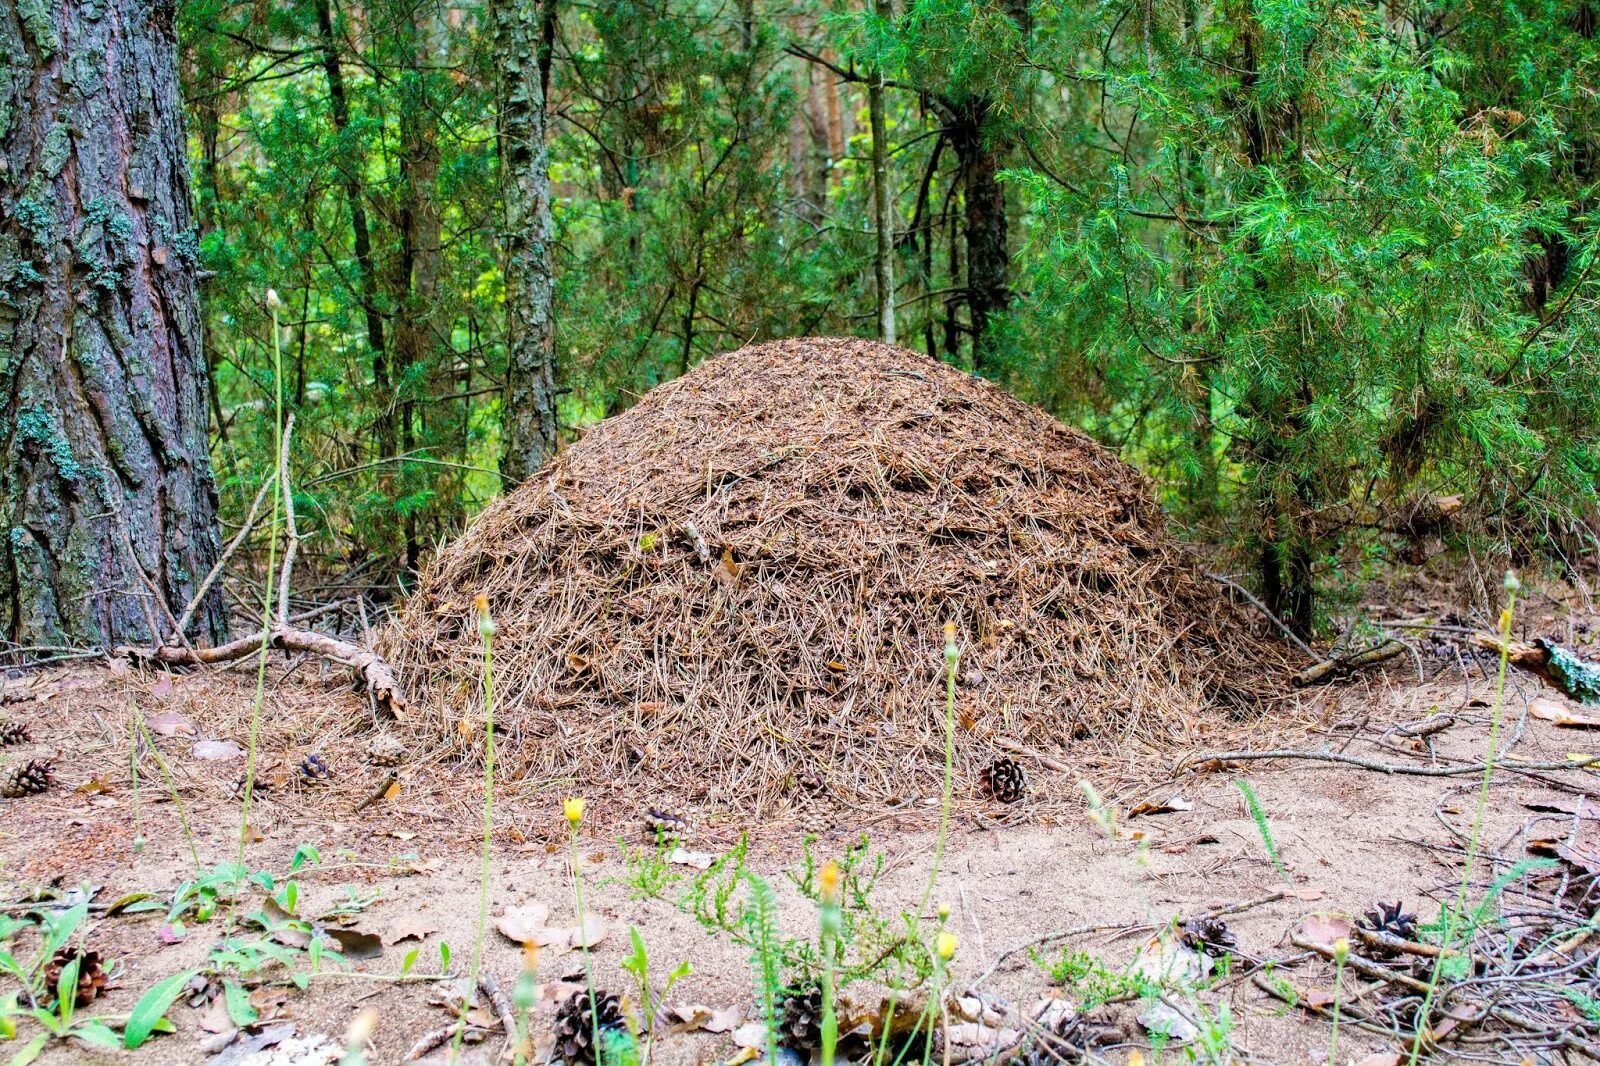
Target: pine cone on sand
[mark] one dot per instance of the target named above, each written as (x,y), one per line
(577,1025)
(92,976)
(664,823)
(1389,919)
(13,734)
(1208,935)
(800,1021)
(29,779)
(315,770)
(1005,780)
(386,749)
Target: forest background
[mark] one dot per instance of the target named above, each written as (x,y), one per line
(1323,269)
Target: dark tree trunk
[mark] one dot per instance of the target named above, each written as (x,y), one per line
(524,31)
(984,201)
(354,188)
(105,481)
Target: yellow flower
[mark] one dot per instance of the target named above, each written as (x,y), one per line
(828,881)
(1341,949)
(485,623)
(944,945)
(572,807)
(944,911)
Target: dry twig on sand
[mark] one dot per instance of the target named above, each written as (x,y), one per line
(379,679)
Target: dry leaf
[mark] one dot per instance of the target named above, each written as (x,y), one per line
(590,933)
(216,750)
(354,944)
(1324,929)
(1557,714)
(1176,803)
(170,723)
(523,924)
(700,860)
(1380,1058)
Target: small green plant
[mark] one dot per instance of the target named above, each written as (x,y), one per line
(637,963)
(650,875)
(1090,981)
(1341,952)
(1258,814)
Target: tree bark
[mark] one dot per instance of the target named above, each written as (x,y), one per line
(523,36)
(984,203)
(106,491)
(882,217)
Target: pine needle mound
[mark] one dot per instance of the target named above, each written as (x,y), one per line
(738,588)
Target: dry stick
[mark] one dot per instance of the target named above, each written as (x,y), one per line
(1585,763)
(291,545)
(222,561)
(503,1009)
(437,1038)
(1368,657)
(1274,619)
(1411,984)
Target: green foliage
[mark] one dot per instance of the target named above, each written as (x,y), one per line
(1258,814)
(1305,262)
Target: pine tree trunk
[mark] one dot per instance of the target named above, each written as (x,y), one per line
(523,32)
(106,493)
(984,201)
(882,215)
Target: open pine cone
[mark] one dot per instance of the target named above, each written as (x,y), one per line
(315,770)
(14,733)
(1006,780)
(386,749)
(800,1021)
(92,976)
(29,779)
(1208,935)
(1389,919)
(664,823)
(577,1024)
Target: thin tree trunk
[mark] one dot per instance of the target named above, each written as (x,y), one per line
(524,31)
(106,492)
(882,219)
(333,68)
(984,203)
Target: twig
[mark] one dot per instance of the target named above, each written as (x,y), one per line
(1205,758)
(379,678)
(438,1037)
(291,546)
(227,553)
(1294,638)
(1369,657)
(502,1007)
(378,794)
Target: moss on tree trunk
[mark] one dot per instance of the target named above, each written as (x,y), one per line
(106,494)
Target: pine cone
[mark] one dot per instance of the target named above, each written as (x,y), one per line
(14,733)
(386,749)
(576,1024)
(29,779)
(258,788)
(92,977)
(315,770)
(800,1021)
(663,823)
(1390,919)
(1208,935)
(1006,780)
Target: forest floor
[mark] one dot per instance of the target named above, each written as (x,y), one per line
(1325,844)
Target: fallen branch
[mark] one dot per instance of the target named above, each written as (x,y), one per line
(379,679)
(503,1009)
(1204,759)
(1294,638)
(1341,664)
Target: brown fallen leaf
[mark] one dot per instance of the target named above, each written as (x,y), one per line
(1325,929)
(590,933)
(1558,714)
(524,924)
(1176,803)
(170,723)
(356,945)
(412,926)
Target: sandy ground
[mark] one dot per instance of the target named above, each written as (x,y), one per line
(1346,837)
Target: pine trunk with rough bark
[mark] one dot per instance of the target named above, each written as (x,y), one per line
(106,492)
(523,31)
